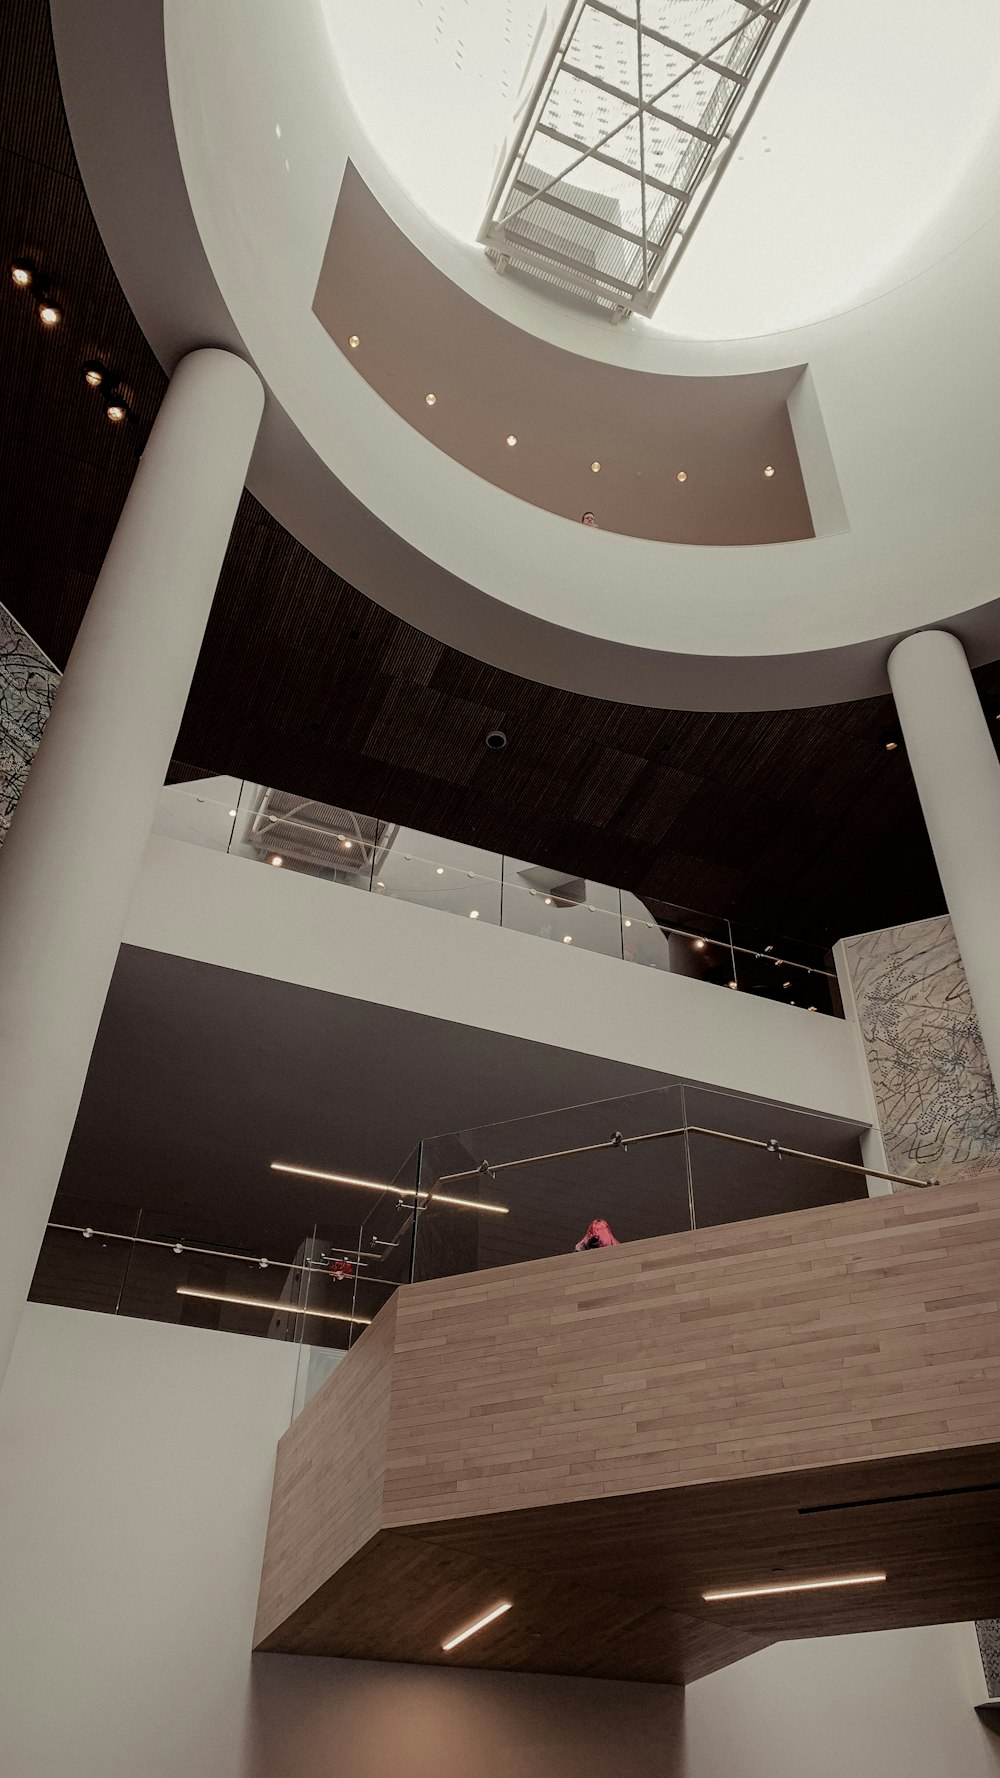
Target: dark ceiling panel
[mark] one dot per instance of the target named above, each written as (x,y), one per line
(798,818)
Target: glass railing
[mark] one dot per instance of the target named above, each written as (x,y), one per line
(356,851)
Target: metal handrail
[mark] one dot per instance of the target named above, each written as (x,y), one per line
(251,1259)
(618,1140)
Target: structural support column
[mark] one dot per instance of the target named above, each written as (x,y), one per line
(71,858)
(958,781)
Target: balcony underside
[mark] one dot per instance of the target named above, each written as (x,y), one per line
(600,1439)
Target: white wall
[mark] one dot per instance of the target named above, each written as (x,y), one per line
(136,1474)
(192,902)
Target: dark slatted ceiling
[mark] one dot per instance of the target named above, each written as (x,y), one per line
(799,817)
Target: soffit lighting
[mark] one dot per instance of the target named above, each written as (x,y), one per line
(375,1185)
(488,1617)
(795,1586)
(262,1302)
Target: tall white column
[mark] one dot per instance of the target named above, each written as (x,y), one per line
(957,776)
(72,855)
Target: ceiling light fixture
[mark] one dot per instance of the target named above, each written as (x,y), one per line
(375,1185)
(595,467)
(49,314)
(232,814)
(769,470)
(473,913)
(512,439)
(440,870)
(699,944)
(261,1302)
(354,342)
(276,860)
(682,475)
(568,938)
(22,274)
(488,1617)
(430,400)
(93,374)
(117,411)
(496,739)
(795,1586)
(731,984)
(891,746)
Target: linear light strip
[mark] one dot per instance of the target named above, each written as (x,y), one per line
(796,1586)
(480,1624)
(375,1185)
(263,1302)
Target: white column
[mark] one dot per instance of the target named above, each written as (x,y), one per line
(71,857)
(957,776)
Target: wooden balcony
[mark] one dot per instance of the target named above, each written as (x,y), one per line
(602,1438)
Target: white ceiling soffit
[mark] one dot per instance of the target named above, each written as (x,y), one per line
(632,120)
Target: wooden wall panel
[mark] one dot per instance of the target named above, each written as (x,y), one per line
(327,1498)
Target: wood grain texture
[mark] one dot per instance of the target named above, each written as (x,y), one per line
(792,1398)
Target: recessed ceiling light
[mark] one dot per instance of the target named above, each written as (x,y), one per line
(49,314)
(812,1009)
(117,412)
(769,470)
(795,1586)
(276,860)
(480,1624)
(786,984)
(430,400)
(682,475)
(263,1302)
(595,467)
(699,944)
(93,374)
(22,274)
(512,439)
(628,922)
(354,342)
(548,901)
(731,984)
(375,1185)
(348,845)
(568,938)
(891,746)
(474,914)
(440,870)
(232,814)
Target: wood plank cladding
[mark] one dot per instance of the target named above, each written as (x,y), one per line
(603,1437)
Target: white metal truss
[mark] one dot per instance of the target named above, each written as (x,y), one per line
(631,123)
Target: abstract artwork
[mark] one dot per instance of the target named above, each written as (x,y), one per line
(936,1100)
(28,684)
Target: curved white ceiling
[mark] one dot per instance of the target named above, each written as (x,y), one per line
(874,120)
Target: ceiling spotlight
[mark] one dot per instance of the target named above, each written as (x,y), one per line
(474,915)
(628,922)
(548,901)
(49,314)
(568,939)
(277,860)
(22,274)
(348,845)
(786,984)
(891,746)
(117,411)
(512,439)
(699,944)
(93,374)
(232,814)
(354,342)
(440,870)
(595,467)
(730,984)
(496,739)
(682,475)
(430,400)
(769,470)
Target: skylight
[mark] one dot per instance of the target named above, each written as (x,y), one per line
(631,123)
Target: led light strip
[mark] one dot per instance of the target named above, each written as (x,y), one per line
(796,1586)
(374,1185)
(480,1624)
(263,1302)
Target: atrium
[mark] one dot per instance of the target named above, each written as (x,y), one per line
(499,870)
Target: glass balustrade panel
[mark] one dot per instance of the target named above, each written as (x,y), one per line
(564,909)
